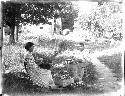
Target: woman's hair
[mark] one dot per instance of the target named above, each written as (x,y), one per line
(28,45)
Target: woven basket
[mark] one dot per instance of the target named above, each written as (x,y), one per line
(64,82)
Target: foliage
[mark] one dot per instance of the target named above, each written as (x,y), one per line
(14,12)
(68,15)
(11,13)
(36,13)
(105,19)
(11,17)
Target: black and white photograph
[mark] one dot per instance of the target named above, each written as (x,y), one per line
(62,48)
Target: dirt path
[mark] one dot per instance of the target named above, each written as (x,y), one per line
(107,80)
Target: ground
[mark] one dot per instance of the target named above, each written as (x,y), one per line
(108,65)
(14,85)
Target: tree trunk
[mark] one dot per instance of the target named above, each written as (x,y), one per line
(17,30)
(61,31)
(1,31)
(1,44)
(54,25)
(12,39)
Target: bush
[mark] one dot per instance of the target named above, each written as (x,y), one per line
(117,36)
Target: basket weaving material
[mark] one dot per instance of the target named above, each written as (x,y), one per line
(64,82)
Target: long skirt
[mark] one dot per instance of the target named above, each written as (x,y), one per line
(41,77)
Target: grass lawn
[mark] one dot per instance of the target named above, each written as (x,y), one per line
(13,84)
(13,59)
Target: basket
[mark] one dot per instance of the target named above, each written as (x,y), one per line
(64,82)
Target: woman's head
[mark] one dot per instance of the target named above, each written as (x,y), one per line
(29,46)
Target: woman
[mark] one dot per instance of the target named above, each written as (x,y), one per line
(39,76)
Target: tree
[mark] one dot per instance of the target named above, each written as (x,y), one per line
(36,13)
(11,17)
(106,19)
(15,13)
(68,14)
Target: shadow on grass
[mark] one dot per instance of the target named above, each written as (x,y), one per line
(114,63)
(13,84)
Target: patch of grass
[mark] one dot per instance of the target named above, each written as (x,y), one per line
(14,54)
(14,84)
(90,76)
(13,57)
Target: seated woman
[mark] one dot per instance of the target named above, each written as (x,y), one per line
(39,76)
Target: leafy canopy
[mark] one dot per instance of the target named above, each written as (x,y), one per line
(36,12)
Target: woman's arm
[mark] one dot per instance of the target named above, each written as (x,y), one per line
(31,62)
